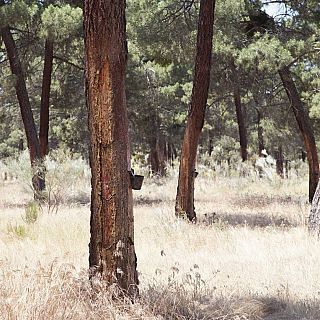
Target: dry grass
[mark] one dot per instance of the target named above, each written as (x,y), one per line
(248,257)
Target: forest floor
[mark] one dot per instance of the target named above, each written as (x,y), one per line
(248,257)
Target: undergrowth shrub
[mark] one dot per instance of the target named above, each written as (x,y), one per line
(31,214)
(18,230)
(67,178)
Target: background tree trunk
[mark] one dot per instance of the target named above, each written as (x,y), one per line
(185,192)
(279,162)
(158,155)
(25,108)
(260,133)
(239,113)
(111,244)
(314,217)
(305,127)
(45,98)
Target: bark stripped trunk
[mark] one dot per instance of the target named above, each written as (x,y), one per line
(25,108)
(111,249)
(45,98)
(279,162)
(305,127)
(185,192)
(239,113)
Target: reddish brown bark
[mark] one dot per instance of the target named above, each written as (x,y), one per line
(25,106)
(45,98)
(111,249)
(185,192)
(305,127)
(239,112)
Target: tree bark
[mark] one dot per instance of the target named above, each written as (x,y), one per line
(111,249)
(305,127)
(185,192)
(25,107)
(45,98)
(239,113)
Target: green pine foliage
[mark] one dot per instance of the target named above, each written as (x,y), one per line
(161,44)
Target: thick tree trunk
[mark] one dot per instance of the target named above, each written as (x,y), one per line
(279,162)
(305,127)
(239,113)
(25,107)
(45,98)
(185,192)
(111,246)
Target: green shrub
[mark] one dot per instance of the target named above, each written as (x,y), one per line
(31,212)
(18,230)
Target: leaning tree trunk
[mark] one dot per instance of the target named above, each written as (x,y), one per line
(305,127)
(45,98)
(25,108)
(111,249)
(185,192)
(239,113)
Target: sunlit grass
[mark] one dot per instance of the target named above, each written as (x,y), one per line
(248,257)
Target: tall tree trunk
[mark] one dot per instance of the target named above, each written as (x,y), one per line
(111,249)
(25,107)
(157,155)
(305,127)
(45,98)
(239,113)
(185,192)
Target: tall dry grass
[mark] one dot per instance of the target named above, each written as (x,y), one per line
(248,257)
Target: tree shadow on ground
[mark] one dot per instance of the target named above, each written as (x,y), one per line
(177,305)
(252,220)
(259,201)
(146,201)
(81,198)
(85,199)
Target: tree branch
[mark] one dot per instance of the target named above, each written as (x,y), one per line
(68,62)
